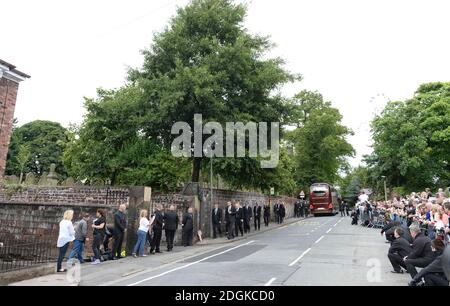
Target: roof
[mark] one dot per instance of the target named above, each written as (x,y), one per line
(13,69)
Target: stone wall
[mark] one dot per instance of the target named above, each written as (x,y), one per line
(30,212)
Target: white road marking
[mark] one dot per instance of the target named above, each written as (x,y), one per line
(188,265)
(329,230)
(270,281)
(300,257)
(318,240)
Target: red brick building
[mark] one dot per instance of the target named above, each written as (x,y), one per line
(10,78)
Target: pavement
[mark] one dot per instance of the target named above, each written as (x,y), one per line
(313,251)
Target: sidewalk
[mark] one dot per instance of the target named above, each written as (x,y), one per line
(120,269)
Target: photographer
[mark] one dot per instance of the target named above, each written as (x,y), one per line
(433,274)
(421,255)
(399,249)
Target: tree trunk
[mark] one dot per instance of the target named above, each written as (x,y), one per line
(196,164)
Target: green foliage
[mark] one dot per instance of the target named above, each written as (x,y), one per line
(205,62)
(320,141)
(412,140)
(110,147)
(35,146)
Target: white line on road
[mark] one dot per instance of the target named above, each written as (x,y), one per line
(190,264)
(318,240)
(335,225)
(270,281)
(300,257)
(329,230)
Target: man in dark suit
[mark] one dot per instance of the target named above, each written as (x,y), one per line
(171,222)
(257,216)
(230,214)
(216,216)
(266,215)
(282,212)
(239,219)
(421,255)
(247,218)
(400,248)
(120,227)
(276,212)
(296,209)
(188,227)
(434,273)
(406,234)
(157,230)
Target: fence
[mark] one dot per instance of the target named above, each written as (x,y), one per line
(17,255)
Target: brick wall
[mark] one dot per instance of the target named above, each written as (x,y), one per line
(8,95)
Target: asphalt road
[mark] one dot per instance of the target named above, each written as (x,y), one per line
(315,251)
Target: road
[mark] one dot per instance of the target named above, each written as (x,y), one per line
(314,251)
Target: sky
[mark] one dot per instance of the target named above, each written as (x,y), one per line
(358,53)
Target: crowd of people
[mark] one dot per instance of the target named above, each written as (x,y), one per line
(149,233)
(417,229)
(238,218)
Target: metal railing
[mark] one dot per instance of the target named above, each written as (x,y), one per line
(17,255)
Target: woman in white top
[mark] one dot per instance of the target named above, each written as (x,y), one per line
(66,236)
(144,225)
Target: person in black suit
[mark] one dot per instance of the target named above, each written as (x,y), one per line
(230,215)
(296,209)
(407,235)
(247,218)
(157,230)
(257,216)
(171,222)
(239,219)
(188,227)
(266,215)
(282,212)
(120,227)
(276,212)
(216,216)
(433,274)
(421,255)
(400,248)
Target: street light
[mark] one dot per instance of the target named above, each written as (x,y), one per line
(385,189)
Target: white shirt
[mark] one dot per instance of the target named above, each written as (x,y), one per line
(363,198)
(66,233)
(143,224)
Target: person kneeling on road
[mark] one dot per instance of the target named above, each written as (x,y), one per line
(433,274)
(399,249)
(421,255)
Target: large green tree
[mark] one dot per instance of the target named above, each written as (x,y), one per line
(412,140)
(109,146)
(320,140)
(206,62)
(43,142)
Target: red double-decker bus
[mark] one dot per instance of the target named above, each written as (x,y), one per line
(323,199)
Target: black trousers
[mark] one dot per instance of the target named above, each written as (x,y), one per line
(246,225)
(61,255)
(170,234)
(156,241)
(238,228)
(411,264)
(266,220)
(435,280)
(117,245)
(187,237)
(396,262)
(230,229)
(96,245)
(257,222)
(301,211)
(217,229)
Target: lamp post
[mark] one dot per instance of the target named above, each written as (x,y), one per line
(385,189)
